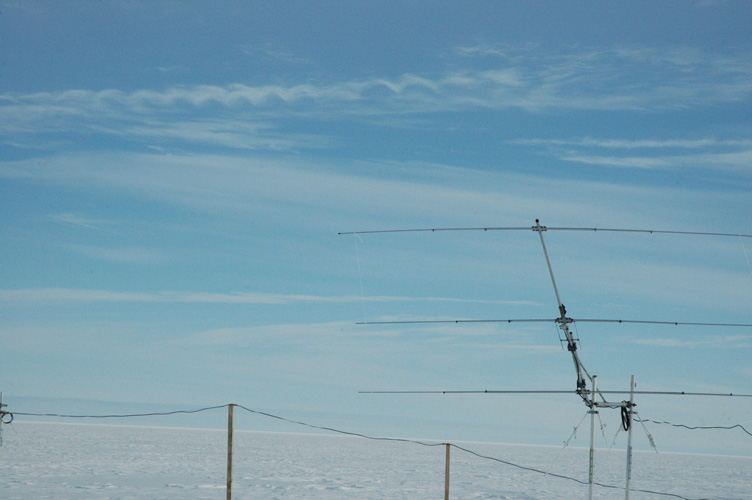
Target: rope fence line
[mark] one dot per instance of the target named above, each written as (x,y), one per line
(697,427)
(153,414)
(8,417)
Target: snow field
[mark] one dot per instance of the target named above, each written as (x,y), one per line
(92,462)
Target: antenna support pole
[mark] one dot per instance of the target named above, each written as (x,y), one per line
(629,434)
(539,229)
(563,320)
(593,412)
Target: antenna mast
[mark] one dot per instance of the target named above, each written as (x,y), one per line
(564,321)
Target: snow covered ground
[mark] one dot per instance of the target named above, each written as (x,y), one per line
(86,461)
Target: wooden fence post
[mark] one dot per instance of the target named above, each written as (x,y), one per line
(230,430)
(446,473)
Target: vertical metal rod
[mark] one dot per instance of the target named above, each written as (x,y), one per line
(593,412)
(540,230)
(563,320)
(230,431)
(629,438)
(446,473)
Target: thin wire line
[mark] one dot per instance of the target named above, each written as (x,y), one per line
(153,414)
(561,476)
(338,431)
(566,443)
(699,427)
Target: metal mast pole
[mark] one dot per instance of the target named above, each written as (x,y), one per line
(539,229)
(629,434)
(593,413)
(563,320)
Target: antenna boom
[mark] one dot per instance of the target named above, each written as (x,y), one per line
(548,228)
(555,320)
(646,393)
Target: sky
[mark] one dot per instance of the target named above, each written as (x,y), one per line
(175,176)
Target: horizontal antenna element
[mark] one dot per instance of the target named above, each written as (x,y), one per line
(554,320)
(647,393)
(547,228)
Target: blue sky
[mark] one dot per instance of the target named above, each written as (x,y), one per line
(174,177)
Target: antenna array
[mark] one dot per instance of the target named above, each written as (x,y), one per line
(564,321)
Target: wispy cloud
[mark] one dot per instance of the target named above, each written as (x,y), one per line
(228,133)
(353,198)
(723,341)
(311,334)
(621,78)
(78,220)
(604,143)
(657,154)
(88,295)
(737,161)
(120,254)
(274,53)
(484,49)
(623,162)
(523,78)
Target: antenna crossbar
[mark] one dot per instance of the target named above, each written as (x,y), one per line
(439,321)
(546,228)
(554,320)
(645,393)
(438,229)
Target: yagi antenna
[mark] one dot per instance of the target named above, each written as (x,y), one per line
(562,320)
(589,397)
